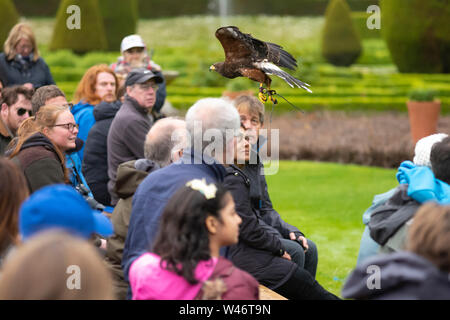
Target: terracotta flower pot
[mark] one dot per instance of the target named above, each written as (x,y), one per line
(423,118)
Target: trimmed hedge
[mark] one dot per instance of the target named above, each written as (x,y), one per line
(418,34)
(170,8)
(360,23)
(341,45)
(91,35)
(119,19)
(40,8)
(8,17)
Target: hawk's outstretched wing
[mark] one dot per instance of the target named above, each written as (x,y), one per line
(238,45)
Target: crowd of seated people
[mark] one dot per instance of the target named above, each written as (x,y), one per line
(143,202)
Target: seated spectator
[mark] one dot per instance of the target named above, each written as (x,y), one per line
(13,191)
(251,112)
(302,251)
(42,141)
(163,145)
(95,162)
(420,273)
(203,219)
(48,95)
(199,161)
(368,246)
(390,222)
(262,248)
(20,63)
(55,266)
(135,56)
(98,84)
(15,108)
(52,95)
(130,125)
(61,207)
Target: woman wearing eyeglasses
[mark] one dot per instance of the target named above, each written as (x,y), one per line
(41,144)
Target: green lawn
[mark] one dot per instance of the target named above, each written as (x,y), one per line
(326,201)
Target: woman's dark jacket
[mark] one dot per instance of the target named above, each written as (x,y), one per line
(40,163)
(259,247)
(95,158)
(12,72)
(401,275)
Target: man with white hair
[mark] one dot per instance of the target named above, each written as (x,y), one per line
(164,145)
(210,119)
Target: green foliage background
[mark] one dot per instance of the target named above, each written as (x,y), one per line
(340,41)
(119,19)
(8,17)
(418,34)
(91,36)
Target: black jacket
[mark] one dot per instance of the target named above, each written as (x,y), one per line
(388,218)
(95,159)
(260,199)
(258,250)
(5,137)
(14,73)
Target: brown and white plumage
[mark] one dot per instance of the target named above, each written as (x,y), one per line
(248,57)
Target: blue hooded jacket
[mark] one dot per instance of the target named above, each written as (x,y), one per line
(84,117)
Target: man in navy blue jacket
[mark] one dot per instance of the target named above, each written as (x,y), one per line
(208,119)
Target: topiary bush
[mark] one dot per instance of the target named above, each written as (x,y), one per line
(8,17)
(341,45)
(90,36)
(417,34)
(119,19)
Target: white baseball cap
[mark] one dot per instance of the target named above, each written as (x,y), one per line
(132,41)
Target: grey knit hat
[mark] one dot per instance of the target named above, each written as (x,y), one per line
(423,149)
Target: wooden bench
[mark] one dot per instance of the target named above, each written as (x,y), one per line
(267,294)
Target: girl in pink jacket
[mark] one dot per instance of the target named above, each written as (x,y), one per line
(185,263)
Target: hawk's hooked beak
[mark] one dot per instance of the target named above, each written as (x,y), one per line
(212,68)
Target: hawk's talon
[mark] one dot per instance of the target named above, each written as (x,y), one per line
(262,97)
(274,101)
(271,93)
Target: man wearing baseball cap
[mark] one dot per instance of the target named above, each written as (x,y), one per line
(135,55)
(129,128)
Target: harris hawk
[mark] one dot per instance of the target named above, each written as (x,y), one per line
(248,57)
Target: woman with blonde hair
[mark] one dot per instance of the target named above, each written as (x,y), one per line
(99,84)
(13,191)
(54,265)
(20,63)
(42,141)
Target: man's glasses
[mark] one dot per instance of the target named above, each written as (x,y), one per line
(22,111)
(146,86)
(68,126)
